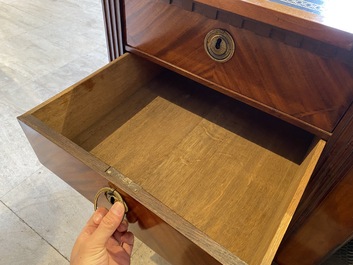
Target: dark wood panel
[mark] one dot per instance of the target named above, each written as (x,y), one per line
(70,169)
(323,27)
(259,73)
(327,228)
(159,236)
(327,46)
(81,175)
(332,175)
(167,242)
(113,30)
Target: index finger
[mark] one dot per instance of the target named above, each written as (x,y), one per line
(109,224)
(94,221)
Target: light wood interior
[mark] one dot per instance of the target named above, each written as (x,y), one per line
(233,172)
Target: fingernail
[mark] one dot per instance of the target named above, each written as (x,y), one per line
(118,209)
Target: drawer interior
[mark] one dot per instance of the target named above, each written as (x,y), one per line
(228,169)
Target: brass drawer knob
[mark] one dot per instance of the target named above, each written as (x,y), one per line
(111,195)
(219,45)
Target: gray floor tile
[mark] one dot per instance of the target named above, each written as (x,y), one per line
(50,207)
(25,94)
(17,158)
(32,56)
(21,245)
(15,22)
(76,36)
(9,75)
(70,73)
(21,96)
(46,11)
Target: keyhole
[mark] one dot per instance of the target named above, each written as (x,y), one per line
(218,43)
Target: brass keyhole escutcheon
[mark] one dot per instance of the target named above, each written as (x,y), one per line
(111,195)
(219,45)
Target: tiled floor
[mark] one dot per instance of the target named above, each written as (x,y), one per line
(45,46)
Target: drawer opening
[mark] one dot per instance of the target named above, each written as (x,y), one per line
(228,169)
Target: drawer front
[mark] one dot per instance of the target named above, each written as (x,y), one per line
(207,180)
(288,82)
(87,175)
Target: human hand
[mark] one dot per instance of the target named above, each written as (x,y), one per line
(104,240)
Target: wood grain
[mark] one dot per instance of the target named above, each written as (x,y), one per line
(331,50)
(113,30)
(258,74)
(305,171)
(329,226)
(324,27)
(145,143)
(155,224)
(78,169)
(182,147)
(172,153)
(336,158)
(107,87)
(333,172)
(87,175)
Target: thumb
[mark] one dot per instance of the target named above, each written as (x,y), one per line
(109,224)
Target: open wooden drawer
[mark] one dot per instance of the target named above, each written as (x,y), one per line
(207,179)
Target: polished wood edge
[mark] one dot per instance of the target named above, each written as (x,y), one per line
(291,19)
(87,78)
(69,168)
(272,111)
(310,161)
(342,196)
(329,49)
(63,142)
(155,232)
(181,225)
